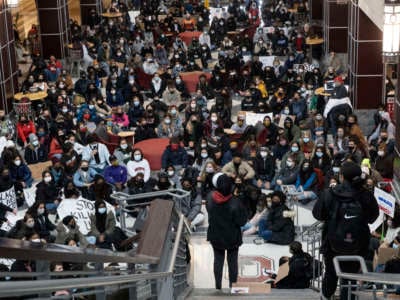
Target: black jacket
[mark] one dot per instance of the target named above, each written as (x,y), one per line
(225,217)
(46,192)
(282,228)
(344,193)
(300,268)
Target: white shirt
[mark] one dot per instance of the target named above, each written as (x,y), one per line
(135,167)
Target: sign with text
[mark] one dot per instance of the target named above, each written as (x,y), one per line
(80,209)
(254,118)
(9,198)
(386,202)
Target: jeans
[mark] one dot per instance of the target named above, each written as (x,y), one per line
(219,259)
(307,196)
(263,232)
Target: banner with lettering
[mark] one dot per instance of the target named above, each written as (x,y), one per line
(9,198)
(385,201)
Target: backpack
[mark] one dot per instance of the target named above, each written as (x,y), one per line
(304,267)
(347,227)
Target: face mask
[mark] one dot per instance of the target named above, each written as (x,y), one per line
(137,157)
(30,224)
(167,121)
(170,173)
(306,168)
(91,106)
(214,119)
(136,103)
(381,153)
(35,143)
(295,148)
(193,106)
(84,169)
(263,154)
(174,147)
(285,111)
(319,154)
(40,211)
(336,169)
(306,140)
(102,210)
(65,110)
(36,241)
(124,146)
(17,162)
(173,111)
(210,170)
(47,179)
(289,164)
(204,155)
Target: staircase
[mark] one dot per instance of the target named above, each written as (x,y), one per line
(212,294)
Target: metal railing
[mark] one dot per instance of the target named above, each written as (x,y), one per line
(143,278)
(361,282)
(313,237)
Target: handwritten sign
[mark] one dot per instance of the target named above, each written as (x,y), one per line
(254,118)
(81,209)
(9,198)
(12,219)
(386,202)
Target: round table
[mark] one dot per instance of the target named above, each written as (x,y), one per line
(88,44)
(321,92)
(31,96)
(125,134)
(112,14)
(315,41)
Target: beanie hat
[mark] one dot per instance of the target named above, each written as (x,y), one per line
(67,219)
(350,171)
(223,183)
(339,79)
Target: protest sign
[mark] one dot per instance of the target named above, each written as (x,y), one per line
(12,219)
(9,198)
(81,209)
(386,202)
(254,118)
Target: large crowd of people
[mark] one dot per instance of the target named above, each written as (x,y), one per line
(133,78)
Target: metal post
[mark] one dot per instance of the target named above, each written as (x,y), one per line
(43,267)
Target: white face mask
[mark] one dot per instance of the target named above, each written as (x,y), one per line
(214,119)
(40,211)
(210,170)
(124,146)
(65,110)
(47,179)
(204,155)
(35,143)
(137,157)
(36,241)
(381,153)
(336,169)
(193,106)
(170,173)
(289,164)
(91,106)
(30,224)
(17,162)
(263,154)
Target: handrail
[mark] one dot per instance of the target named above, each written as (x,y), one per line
(365,276)
(176,244)
(18,249)
(29,287)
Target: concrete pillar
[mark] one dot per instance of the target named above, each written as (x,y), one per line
(365,59)
(335,26)
(54,27)
(8,64)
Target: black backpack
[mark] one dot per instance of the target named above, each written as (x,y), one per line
(347,227)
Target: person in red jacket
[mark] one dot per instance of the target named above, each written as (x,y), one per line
(24,128)
(56,145)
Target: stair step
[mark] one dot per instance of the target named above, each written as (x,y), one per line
(276,294)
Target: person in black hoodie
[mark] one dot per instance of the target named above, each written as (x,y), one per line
(277,228)
(329,208)
(43,226)
(225,217)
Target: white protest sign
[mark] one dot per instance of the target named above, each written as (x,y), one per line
(12,219)
(377,223)
(8,198)
(30,196)
(254,118)
(267,61)
(386,202)
(81,209)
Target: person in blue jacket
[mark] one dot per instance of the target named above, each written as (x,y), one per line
(84,178)
(307,179)
(114,97)
(87,112)
(20,172)
(174,155)
(116,174)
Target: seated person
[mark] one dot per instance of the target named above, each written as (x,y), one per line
(238,167)
(43,226)
(192,210)
(277,227)
(307,179)
(68,229)
(47,192)
(287,175)
(84,178)
(251,227)
(174,155)
(115,174)
(102,225)
(138,164)
(20,172)
(34,151)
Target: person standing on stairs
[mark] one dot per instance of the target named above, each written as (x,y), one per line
(225,217)
(346,211)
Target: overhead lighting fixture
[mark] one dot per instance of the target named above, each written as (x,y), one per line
(391,31)
(12,3)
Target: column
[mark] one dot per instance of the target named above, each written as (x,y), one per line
(8,64)
(397,115)
(54,27)
(316,10)
(365,59)
(335,26)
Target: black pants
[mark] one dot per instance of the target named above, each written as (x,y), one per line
(219,259)
(329,281)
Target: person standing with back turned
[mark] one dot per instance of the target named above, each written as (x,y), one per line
(346,211)
(225,217)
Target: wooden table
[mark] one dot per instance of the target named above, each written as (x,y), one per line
(315,41)
(31,96)
(321,92)
(125,134)
(112,14)
(88,44)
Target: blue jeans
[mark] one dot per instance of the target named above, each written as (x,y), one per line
(263,232)
(246,226)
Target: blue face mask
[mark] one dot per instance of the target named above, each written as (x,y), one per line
(319,154)
(306,140)
(295,149)
(102,210)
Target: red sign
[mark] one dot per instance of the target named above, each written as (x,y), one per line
(254,268)
(390,108)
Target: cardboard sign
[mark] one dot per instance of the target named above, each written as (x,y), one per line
(12,219)
(81,209)
(383,255)
(377,223)
(283,272)
(386,202)
(253,118)
(9,198)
